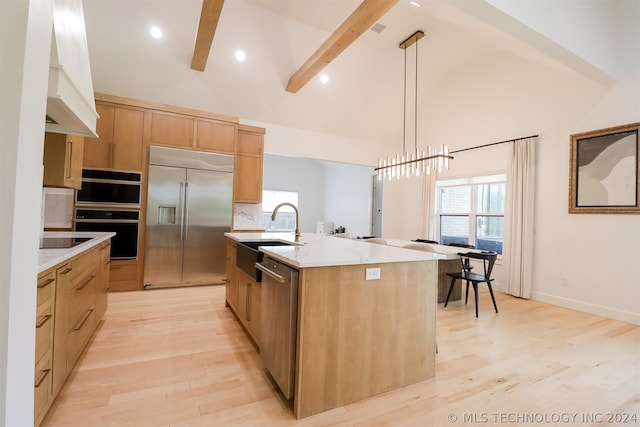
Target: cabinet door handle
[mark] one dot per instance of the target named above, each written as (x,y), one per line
(106,291)
(247,303)
(44,320)
(82,321)
(40,379)
(86,282)
(68,270)
(45,284)
(69,154)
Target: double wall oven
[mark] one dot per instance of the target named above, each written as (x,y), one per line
(110,201)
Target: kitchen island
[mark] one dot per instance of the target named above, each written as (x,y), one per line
(356,337)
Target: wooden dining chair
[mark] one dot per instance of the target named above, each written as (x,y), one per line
(488,259)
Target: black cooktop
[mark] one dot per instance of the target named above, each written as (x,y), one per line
(61,242)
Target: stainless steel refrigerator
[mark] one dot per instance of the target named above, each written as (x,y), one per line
(189,208)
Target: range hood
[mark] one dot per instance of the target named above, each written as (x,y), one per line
(70,101)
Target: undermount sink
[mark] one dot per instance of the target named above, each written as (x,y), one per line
(247,254)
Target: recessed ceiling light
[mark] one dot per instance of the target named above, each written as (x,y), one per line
(324,79)
(240,55)
(156,32)
(415,4)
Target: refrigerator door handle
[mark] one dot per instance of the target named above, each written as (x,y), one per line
(182,210)
(186,210)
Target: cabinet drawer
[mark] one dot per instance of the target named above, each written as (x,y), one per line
(82,264)
(122,272)
(42,384)
(44,328)
(46,283)
(79,335)
(81,297)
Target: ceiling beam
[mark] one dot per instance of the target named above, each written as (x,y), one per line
(209,17)
(353,27)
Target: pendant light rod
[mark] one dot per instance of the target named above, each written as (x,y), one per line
(494,143)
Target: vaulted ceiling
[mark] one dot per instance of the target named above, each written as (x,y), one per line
(364,95)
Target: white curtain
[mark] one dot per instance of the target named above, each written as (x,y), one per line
(428,205)
(519,212)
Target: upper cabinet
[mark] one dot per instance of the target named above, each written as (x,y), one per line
(120,139)
(175,130)
(62,160)
(247,172)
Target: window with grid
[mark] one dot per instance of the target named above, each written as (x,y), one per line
(471,211)
(286,218)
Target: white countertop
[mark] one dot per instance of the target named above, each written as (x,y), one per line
(51,257)
(318,250)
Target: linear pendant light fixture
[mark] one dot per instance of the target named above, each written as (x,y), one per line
(418,162)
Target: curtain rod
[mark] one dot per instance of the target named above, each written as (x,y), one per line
(494,143)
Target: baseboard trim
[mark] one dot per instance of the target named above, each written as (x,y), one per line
(598,310)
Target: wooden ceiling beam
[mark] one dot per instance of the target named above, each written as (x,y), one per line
(209,17)
(353,27)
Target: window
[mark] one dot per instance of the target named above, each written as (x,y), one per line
(286,218)
(471,211)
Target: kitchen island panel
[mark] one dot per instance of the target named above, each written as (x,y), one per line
(358,338)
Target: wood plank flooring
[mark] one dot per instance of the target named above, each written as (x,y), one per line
(177,357)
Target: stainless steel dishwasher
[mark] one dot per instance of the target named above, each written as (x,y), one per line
(279,312)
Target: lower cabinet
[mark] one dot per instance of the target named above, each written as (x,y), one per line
(248,311)
(72,298)
(243,295)
(43,379)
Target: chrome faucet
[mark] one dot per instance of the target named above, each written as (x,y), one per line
(275,210)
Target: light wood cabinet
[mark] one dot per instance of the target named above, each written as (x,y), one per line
(43,379)
(180,131)
(72,297)
(120,139)
(218,136)
(248,310)
(62,160)
(74,311)
(243,295)
(123,275)
(247,177)
(102,285)
(231,291)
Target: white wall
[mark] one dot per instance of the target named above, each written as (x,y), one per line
(25,41)
(502,97)
(327,191)
(348,197)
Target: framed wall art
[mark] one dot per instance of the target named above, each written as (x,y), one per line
(604,171)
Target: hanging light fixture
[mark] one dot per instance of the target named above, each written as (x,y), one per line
(419,161)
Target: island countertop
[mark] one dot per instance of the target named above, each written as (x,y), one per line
(51,257)
(318,250)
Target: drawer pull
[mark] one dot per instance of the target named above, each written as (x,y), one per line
(44,320)
(82,321)
(42,377)
(45,284)
(86,282)
(68,270)
(106,291)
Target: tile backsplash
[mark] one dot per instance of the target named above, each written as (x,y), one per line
(247,216)
(58,207)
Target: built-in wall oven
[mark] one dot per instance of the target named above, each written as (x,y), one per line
(125,223)
(110,201)
(110,188)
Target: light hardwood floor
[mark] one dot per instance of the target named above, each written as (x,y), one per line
(177,357)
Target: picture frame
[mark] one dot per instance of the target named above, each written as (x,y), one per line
(604,171)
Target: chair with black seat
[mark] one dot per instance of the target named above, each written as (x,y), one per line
(488,258)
